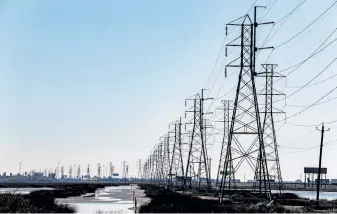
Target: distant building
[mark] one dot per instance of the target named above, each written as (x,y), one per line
(298,181)
(323,181)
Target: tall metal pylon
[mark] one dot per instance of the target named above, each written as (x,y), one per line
(70,171)
(125,170)
(159,149)
(166,158)
(140,174)
(62,171)
(197,167)
(177,164)
(99,170)
(226,126)
(88,171)
(78,171)
(245,122)
(268,127)
(146,169)
(111,169)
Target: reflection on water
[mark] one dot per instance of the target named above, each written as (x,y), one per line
(22,191)
(312,194)
(117,199)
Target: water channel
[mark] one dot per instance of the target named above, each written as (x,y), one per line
(119,199)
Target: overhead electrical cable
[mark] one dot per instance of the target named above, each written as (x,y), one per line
(313,104)
(316,83)
(312,147)
(312,125)
(305,85)
(285,18)
(320,103)
(293,37)
(316,51)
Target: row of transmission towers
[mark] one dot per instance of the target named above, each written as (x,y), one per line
(167,163)
(248,137)
(75,171)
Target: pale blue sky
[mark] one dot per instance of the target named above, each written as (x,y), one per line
(98,81)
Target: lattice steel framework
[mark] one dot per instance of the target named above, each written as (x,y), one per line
(166,158)
(226,126)
(197,167)
(78,172)
(111,169)
(99,170)
(70,171)
(140,173)
(88,171)
(177,164)
(160,162)
(268,127)
(62,171)
(245,122)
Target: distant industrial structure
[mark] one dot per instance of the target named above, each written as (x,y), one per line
(73,174)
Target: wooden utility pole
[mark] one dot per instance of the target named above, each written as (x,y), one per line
(320,160)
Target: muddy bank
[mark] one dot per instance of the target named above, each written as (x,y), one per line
(12,203)
(66,191)
(43,201)
(167,201)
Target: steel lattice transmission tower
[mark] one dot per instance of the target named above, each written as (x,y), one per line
(245,142)
(197,167)
(146,170)
(177,164)
(111,169)
(88,171)
(125,174)
(78,171)
(166,158)
(268,127)
(99,169)
(62,171)
(159,149)
(70,171)
(140,174)
(223,152)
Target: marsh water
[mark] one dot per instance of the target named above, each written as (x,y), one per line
(119,199)
(116,199)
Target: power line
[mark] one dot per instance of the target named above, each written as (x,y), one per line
(305,85)
(291,12)
(313,104)
(223,63)
(216,61)
(312,147)
(285,18)
(312,125)
(307,26)
(268,10)
(316,83)
(303,106)
(317,51)
(222,46)
(301,136)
